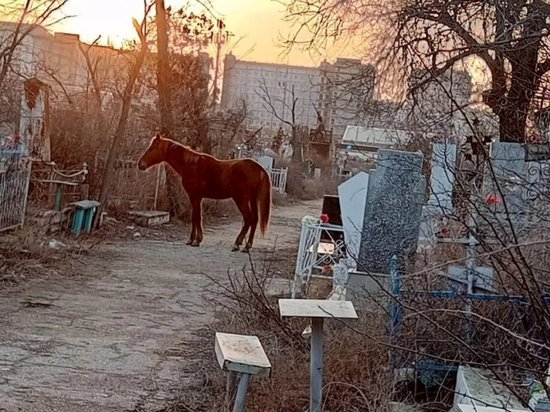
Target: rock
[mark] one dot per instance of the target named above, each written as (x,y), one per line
(57,245)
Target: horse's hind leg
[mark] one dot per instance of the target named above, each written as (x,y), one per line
(254,218)
(196,233)
(244,207)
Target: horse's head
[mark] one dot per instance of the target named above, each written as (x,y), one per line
(154,154)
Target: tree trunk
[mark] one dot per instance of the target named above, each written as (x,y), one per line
(173,182)
(127,96)
(512,125)
(525,81)
(163,72)
(113,155)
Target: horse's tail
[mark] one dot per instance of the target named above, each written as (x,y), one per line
(264,201)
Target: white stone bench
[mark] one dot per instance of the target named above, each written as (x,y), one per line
(317,311)
(243,355)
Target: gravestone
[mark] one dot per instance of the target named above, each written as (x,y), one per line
(508,160)
(440,202)
(442,178)
(511,174)
(393,210)
(353,198)
(266,162)
(317,173)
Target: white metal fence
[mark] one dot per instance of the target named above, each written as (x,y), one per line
(278,179)
(314,253)
(14,186)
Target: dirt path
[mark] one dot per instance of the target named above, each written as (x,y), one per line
(116,337)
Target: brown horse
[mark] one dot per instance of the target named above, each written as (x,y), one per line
(204,176)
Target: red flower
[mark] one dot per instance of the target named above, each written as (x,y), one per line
(324,218)
(493,199)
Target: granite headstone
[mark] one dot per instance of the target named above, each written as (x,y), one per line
(442,178)
(393,210)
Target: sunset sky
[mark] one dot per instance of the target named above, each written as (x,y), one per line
(257,24)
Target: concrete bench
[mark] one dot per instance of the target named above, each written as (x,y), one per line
(243,355)
(317,311)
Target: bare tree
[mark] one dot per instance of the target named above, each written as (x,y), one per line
(92,64)
(284,107)
(29,14)
(134,68)
(509,37)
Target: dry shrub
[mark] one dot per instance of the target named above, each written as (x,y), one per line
(356,373)
(299,186)
(280,199)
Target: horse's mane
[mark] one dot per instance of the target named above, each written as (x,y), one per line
(183,152)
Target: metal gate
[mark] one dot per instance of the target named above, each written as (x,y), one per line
(278,179)
(17,151)
(14,186)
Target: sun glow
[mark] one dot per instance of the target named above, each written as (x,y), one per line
(256,25)
(110,19)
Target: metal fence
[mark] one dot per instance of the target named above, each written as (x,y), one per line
(318,247)
(278,179)
(14,185)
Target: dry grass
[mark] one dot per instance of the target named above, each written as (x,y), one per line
(356,369)
(29,254)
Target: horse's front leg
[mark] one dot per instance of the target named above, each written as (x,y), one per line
(193,233)
(196,233)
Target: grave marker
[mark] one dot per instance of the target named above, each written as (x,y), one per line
(353,199)
(267,162)
(442,177)
(393,210)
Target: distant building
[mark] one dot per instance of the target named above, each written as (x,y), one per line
(59,60)
(336,93)
(371,139)
(438,105)
(347,91)
(268,91)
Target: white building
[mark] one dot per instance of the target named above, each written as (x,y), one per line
(347,93)
(269,91)
(339,92)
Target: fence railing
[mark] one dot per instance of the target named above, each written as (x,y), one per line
(314,252)
(14,187)
(278,179)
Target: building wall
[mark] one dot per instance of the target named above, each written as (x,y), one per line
(340,92)
(347,93)
(253,83)
(439,106)
(56,59)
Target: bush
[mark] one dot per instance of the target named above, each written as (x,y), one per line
(299,186)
